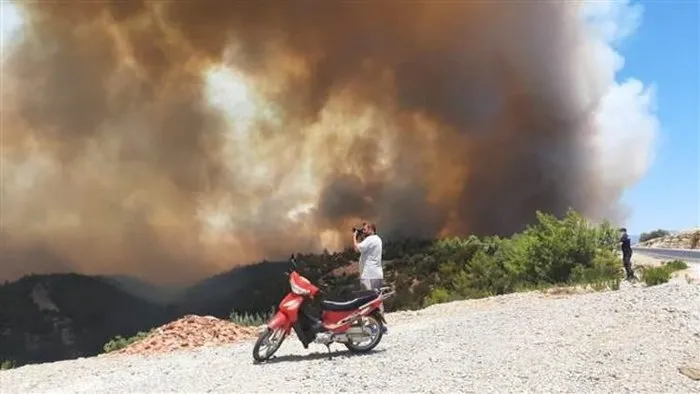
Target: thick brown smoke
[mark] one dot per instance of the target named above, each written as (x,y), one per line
(171,140)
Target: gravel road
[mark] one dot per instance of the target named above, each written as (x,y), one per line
(633,339)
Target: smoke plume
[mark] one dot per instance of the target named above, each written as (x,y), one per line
(170,140)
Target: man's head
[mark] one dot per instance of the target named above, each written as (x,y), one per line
(369,228)
(623,230)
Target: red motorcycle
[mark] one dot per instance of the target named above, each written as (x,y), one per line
(357,323)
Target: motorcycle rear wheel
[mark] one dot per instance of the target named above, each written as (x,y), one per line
(270,341)
(377,327)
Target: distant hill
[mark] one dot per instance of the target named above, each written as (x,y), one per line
(244,288)
(63,316)
(685,239)
(153,293)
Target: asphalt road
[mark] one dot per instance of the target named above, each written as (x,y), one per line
(687,255)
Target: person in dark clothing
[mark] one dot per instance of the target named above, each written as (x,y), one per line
(626,247)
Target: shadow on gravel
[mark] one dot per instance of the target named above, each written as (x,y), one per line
(318,356)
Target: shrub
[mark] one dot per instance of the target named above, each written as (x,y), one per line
(675,265)
(7,364)
(694,240)
(643,237)
(653,276)
(550,252)
(607,237)
(438,296)
(119,342)
(485,275)
(604,273)
(251,319)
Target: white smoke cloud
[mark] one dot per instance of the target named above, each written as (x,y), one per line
(626,121)
(11,21)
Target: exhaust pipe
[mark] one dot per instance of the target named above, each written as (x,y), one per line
(357,333)
(353,333)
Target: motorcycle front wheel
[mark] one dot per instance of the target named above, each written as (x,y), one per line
(267,344)
(376,328)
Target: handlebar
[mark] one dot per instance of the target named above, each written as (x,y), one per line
(293,262)
(386,292)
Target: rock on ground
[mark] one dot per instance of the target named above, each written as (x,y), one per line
(634,339)
(691,371)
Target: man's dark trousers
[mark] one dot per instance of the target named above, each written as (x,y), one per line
(627,262)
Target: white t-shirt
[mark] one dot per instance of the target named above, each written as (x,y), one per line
(371,258)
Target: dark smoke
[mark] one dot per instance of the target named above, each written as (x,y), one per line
(426,117)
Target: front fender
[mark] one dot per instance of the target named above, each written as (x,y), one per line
(279,320)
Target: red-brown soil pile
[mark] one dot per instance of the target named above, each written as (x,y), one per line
(189,332)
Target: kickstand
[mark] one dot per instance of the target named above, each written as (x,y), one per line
(330,357)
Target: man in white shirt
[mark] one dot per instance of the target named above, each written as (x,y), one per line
(370,248)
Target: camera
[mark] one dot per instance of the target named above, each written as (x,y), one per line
(359,229)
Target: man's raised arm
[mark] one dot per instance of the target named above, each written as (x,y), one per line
(359,246)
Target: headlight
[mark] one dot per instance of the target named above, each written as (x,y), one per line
(296,289)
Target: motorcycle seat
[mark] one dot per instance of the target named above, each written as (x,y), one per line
(348,305)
